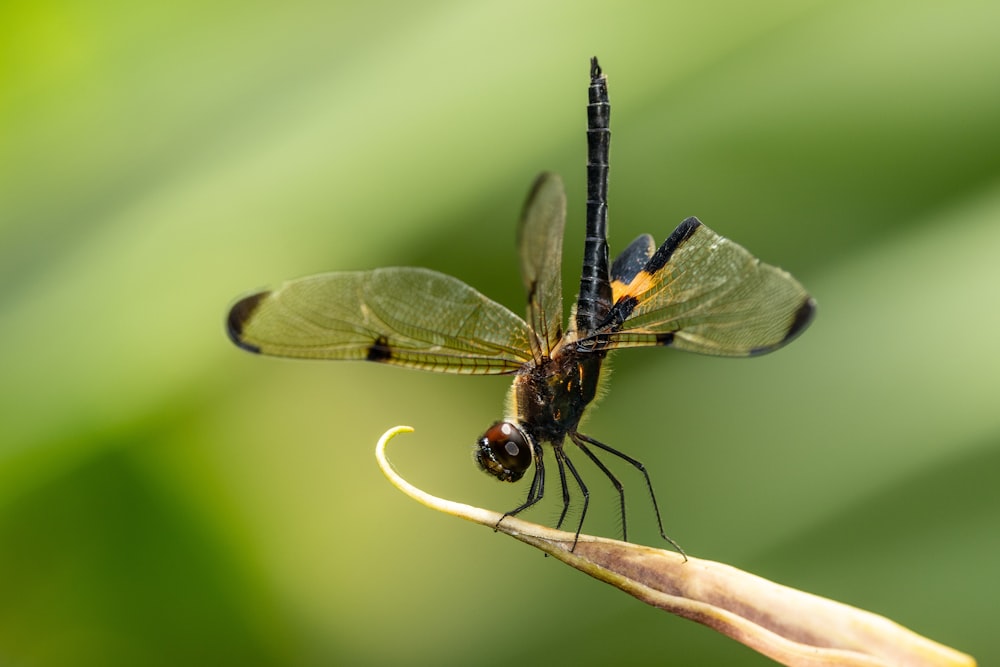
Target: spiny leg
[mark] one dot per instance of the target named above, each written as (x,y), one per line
(578,441)
(561,455)
(535,491)
(562,482)
(649,485)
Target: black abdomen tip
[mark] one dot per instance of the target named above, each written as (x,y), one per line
(239,315)
(595,68)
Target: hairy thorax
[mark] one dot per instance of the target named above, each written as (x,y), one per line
(548,399)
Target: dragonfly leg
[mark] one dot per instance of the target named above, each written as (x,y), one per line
(537,489)
(641,468)
(579,441)
(561,455)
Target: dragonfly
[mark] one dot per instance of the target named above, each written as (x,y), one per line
(696,291)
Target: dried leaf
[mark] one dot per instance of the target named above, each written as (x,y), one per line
(790,626)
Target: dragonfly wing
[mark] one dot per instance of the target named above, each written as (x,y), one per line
(631,261)
(410,317)
(539,241)
(701,292)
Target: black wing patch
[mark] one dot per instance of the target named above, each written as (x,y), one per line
(632,260)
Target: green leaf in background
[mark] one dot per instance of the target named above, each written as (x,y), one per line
(167,499)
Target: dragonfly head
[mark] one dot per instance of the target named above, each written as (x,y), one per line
(504,451)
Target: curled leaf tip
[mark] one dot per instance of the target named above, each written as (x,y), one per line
(792,627)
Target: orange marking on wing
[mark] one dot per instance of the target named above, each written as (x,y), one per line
(618,288)
(639,286)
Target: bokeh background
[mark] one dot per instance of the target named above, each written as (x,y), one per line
(168,499)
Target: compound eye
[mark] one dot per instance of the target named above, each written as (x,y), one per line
(504,452)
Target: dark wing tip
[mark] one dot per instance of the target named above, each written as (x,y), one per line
(800,321)
(540,181)
(536,185)
(803,318)
(239,315)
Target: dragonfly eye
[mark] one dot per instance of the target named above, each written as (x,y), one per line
(504,452)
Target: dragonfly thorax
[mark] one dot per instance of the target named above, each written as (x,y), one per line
(551,397)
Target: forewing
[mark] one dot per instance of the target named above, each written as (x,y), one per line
(404,316)
(701,292)
(540,239)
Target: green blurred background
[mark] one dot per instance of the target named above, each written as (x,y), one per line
(168,499)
